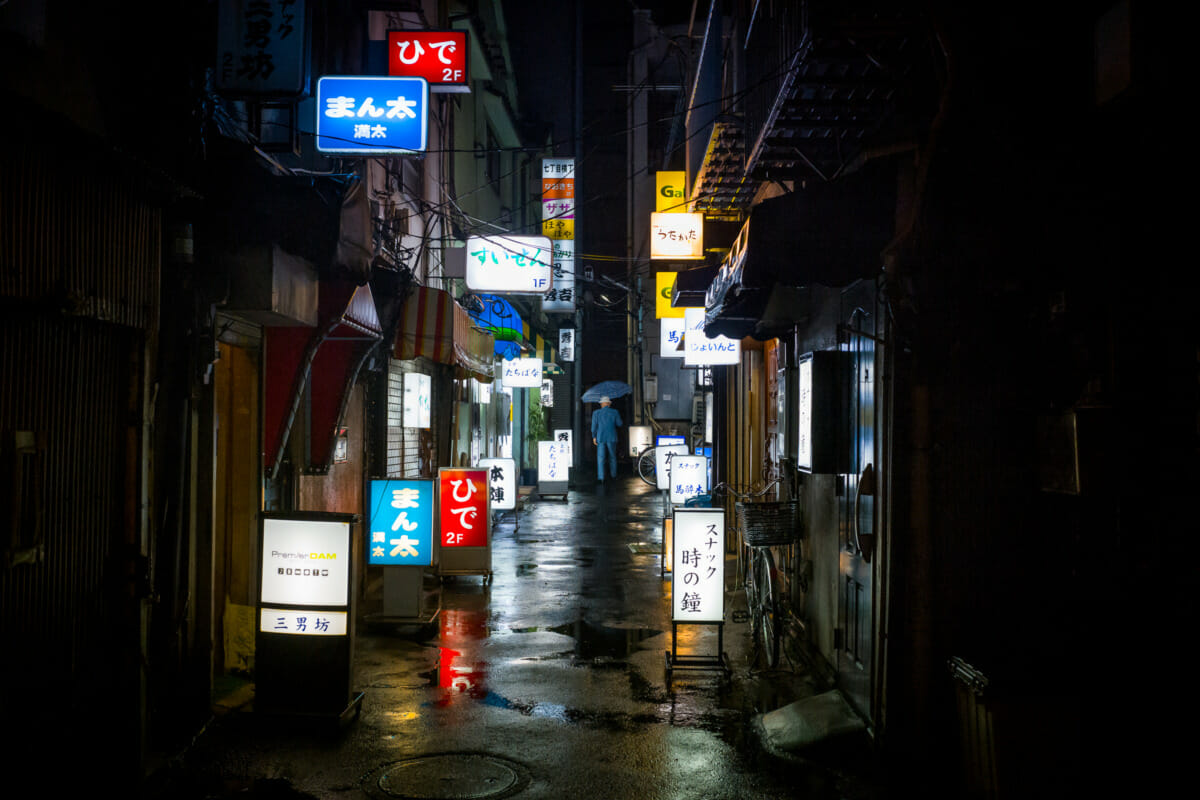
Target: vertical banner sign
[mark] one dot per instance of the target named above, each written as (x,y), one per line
(440,57)
(640,438)
(547,393)
(463,504)
(566,344)
(553,462)
(698,565)
(804,415)
(663,456)
(401,529)
(262,47)
(689,478)
(502,482)
(562,438)
(558,223)
(670,197)
(372,114)
(670,337)
(418,391)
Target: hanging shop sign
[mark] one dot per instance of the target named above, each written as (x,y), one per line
(560,298)
(305,566)
(566,344)
(463,504)
(509,264)
(401,524)
(547,393)
(262,47)
(418,393)
(689,478)
(817,405)
(698,565)
(701,350)
(365,115)
(670,337)
(663,456)
(562,437)
(521,373)
(440,57)
(554,459)
(502,482)
(670,196)
(663,283)
(676,236)
(640,437)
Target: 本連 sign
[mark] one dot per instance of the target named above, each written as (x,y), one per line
(502,482)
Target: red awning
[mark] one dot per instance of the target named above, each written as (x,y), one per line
(433,325)
(324,361)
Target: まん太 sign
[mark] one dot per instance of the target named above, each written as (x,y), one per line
(509,264)
(371,114)
(401,530)
(440,57)
(463,500)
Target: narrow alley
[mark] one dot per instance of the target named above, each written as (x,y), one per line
(549,680)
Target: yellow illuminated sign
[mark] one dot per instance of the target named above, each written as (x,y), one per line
(669,195)
(663,281)
(558,228)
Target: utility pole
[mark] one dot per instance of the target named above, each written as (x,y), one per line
(577,437)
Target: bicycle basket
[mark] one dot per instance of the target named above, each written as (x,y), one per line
(769,523)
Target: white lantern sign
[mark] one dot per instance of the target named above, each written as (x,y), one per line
(676,236)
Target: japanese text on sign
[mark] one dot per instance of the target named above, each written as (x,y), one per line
(401,529)
(554,460)
(261,45)
(371,114)
(689,477)
(676,236)
(510,264)
(440,57)
(698,565)
(302,623)
(523,373)
(700,349)
(502,482)
(464,507)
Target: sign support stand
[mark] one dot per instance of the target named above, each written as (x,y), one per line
(675,661)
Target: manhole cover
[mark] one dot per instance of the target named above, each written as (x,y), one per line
(448,776)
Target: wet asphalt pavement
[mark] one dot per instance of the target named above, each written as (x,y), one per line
(548,681)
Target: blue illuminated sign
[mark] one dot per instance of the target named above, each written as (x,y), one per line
(401,529)
(372,114)
(661,440)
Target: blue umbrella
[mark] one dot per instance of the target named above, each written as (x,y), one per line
(609,389)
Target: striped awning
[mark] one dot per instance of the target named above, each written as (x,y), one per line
(433,325)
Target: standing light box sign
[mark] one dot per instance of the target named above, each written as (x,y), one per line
(663,456)
(698,565)
(689,478)
(521,373)
(676,236)
(401,526)
(304,639)
(362,115)
(463,504)
(509,264)
(440,57)
(700,350)
(670,337)
(553,462)
(418,391)
(640,438)
(562,437)
(502,482)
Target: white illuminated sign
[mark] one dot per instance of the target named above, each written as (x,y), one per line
(562,436)
(689,477)
(663,455)
(305,562)
(700,350)
(502,482)
(804,417)
(554,459)
(670,337)
(521,373)
(302,623)
(676,236)
(561,296)
(509,264)
(566,344)
(418,390)
(640,437)
(698,565)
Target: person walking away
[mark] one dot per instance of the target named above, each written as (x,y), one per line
(605,422)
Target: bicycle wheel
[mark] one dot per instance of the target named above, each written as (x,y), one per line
(753,605)
(768,612)
(646,468)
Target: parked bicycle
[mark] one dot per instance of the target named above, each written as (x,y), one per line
(764,524)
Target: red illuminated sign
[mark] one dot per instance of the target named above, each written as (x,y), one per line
(464,507)
(440,57)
